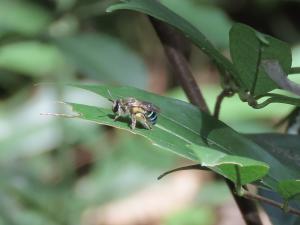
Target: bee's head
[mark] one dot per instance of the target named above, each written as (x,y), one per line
(116,105)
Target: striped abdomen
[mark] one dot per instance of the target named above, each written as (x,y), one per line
(152,117)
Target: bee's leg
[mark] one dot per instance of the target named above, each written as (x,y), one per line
(147,125)
(116,117)
(119,113)
(145,122)
(133,121)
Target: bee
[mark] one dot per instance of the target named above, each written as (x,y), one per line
(144,112)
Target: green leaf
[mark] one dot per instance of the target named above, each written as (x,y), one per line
(286,148)
(163,137)
(248,48)
(158,136)
(181,124)
(289,189)
(22,17)
(237,169)
(277,98)
(198,14)
(160,12)
(103,57)
(44,59)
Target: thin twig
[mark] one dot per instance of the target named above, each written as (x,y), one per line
(260,198)
(220,98)
(246,194)
(172,44)
(218,104)
(247,207)
(260,46)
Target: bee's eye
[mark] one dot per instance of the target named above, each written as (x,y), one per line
(115,106)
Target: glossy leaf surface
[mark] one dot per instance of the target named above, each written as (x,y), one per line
(286,148)
(289,189)
(248,49)
(198,14)
(181,124)
(235,168)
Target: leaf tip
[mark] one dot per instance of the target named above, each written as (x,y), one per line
(62,114)
(115,6)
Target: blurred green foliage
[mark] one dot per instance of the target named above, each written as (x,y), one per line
(52,170)
(23,18)
(194,216)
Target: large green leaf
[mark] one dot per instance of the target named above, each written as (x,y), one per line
(160,12)
(235,168)
(181,124)
(277,98)
(289,189)
(248,48)
(177,142)
(22,17)
(198,14)
(104,58)
(286,148)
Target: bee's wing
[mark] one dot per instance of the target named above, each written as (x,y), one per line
(150,107)
(132,102)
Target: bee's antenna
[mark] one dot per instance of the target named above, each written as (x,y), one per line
(111,97)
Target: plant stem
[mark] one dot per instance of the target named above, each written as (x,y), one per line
(220,98)
(246,193)
(295,70)
(247,207)
(172,44)
(260,198)
(174,50)
(257,69)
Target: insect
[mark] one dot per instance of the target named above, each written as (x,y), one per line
(144,112)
